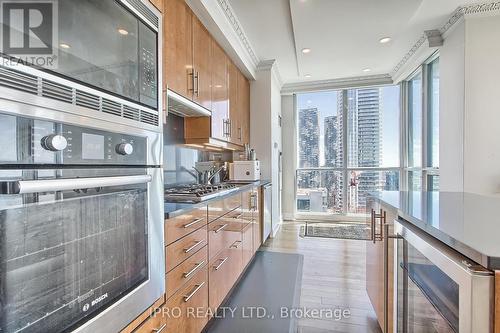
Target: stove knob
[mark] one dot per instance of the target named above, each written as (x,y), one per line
(125,149)
(54,142)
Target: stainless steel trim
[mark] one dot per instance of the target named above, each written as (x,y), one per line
(198,287)
(195,268)
(53,185)
(189,249)
(221,263)
(181,106)
(193,222)
(221,228)
(160,329)
(476,284)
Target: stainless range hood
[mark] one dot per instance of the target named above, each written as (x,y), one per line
(181,106)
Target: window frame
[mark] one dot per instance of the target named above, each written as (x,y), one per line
(426,169)
(345,169)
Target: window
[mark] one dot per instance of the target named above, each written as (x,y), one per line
(348,146)
(422,128)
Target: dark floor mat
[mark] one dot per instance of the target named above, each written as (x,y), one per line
(272,282)
(337,230)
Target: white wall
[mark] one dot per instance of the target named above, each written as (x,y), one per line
(469,111)
(265,132)
(451,110)
(289,137)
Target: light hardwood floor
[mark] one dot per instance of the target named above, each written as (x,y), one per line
(333,277)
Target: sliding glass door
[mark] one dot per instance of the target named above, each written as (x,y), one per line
(348,145)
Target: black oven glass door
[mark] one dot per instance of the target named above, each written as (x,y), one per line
(427,299)
(67,255)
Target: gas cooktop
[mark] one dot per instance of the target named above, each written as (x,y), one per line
(197,192)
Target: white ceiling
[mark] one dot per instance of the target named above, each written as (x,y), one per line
(342,34)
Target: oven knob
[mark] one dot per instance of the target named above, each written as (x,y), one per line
(54,142)
(125,149)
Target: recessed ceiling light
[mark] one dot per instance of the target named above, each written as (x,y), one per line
(308,75)
(306,50)
(123,32)
(64,46)
(366,70)
(385,40)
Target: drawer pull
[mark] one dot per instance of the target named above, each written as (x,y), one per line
(193,222)
(160,329)
(238,216)
(189,249)
(221,263)
(234,246)
(188,274)
(198,287)
(221,228)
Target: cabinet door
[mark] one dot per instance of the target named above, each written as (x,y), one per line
(220,93)
(257,219)
(178,47)
(193,296)
(243,109)
(158,4)
(247,244)
(375,262)
(234,111)
(201,61)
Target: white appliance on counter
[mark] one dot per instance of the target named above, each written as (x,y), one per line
(244,170)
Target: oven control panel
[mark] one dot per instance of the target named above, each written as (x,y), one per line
(32,141)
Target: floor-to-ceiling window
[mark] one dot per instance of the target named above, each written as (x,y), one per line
(347,146)
(422,127)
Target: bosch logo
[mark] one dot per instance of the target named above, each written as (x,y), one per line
(99,299)
(86,307)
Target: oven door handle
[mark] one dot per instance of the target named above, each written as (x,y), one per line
(52,185)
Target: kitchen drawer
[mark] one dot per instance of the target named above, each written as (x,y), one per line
(184,248)
(178,227)
(180,275)
(223,271)
(219,208)
(137,322)
(155,323)
(189,301)
(221,234)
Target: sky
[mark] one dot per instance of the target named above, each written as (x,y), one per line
(326,102)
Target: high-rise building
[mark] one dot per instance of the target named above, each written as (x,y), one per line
(331,141)
(309,133)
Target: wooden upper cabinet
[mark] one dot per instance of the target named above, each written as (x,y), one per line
(201,63)
(178,47)
(234,112)
(243,109)
(158,4)
(220,92)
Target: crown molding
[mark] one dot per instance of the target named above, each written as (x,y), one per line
(456,16)
(343,83)
(238,29)
(272,66)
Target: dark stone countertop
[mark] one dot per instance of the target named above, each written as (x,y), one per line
(468,223)
(174,209)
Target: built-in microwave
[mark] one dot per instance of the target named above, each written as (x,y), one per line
(103,54)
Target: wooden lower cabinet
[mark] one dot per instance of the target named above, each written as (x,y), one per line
(178,227)
(375,263)
(184,248)
(497,302)
(183,273)
(187,310)
(247,244)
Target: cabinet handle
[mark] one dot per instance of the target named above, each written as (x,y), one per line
(188,274)
(221,228)
(192,74)
(382,218)
(229,127)
(193,222)
(221,263)
(189,249)
(240,135)
(160,329)
(197,91)
(198,287)
(238,216)
(234,246)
